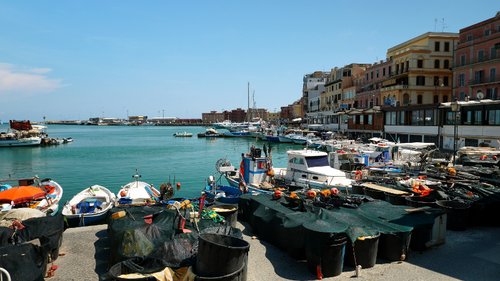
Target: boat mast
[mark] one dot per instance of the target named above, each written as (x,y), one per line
(248,100)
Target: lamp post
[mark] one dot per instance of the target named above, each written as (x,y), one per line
(455,108)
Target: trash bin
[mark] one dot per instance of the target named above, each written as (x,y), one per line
(229,212)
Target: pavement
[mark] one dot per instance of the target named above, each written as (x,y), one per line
(473,254)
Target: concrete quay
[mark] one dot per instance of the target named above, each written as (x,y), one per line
(473,254)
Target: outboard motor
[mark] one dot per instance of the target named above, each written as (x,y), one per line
(211,180)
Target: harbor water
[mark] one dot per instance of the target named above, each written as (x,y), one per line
(110,155)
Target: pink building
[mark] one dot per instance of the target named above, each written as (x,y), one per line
(477,61)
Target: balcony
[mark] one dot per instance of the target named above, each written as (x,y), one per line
(485,80)
(395,87)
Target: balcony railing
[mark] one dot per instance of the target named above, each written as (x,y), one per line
(485,80)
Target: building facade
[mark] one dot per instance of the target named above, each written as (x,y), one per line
(477,61)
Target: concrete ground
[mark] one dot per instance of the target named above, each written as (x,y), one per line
(468,255)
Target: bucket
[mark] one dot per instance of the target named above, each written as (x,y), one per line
(457,212)
(239,275)
(419,201)
(220,255)
(394,247)
(229,212)
(395,199)
(365,250)
(375,194)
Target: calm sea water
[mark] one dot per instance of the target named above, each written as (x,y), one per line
(109,156)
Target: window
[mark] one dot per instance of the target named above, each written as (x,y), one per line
(493,72)
(462,60)
(317,161)
(436,64)
(450,117)
(469,37)
(487,32)
(390,118)
(370,119)
(446,81)
(436,46)
(383,71)
(461,80)
(419,99)
(446,64)
(445,98)
(480,55)
(468,118)
(429,117)
(390,69)
(494,117)
(361,119)
(420,63)
(377,73)
(436,99)
(366,76)
(436,80)
(478,76)
(402,118)
(446,46)
(493,52)
(420,80)
(417,117)
(406,99)
(371,75)
(478,120)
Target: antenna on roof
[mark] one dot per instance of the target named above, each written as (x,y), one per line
(444,26)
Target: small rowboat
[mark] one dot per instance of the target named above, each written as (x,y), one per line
(89,206)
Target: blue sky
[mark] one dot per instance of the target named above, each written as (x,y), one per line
(79,59)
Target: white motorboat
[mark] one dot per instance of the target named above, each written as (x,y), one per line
(311,168)
(21,133)
(183,134)
(89,206)
(137,192)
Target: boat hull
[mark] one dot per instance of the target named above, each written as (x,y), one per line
(21,142)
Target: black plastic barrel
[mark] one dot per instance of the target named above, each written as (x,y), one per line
(457,214)
(420,237)
(419,201)
(364,252)
(220,255)
(375,194)
(229,212)
(395,199)
(326,251)
(394,247)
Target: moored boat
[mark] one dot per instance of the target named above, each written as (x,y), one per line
(89,206)
(21,133)
(137,193)
(183,134)
(43,195)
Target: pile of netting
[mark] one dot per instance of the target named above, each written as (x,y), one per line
(23,259)
(147,239)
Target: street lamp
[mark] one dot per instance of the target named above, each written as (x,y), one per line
(455,108)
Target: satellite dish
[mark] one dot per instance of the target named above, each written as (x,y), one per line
(480,95)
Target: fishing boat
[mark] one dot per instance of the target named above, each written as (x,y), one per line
(21,133)
(137,193)
(311,169)
(209,133)
(183,134)
(43,195)
(221,193)
(89,206)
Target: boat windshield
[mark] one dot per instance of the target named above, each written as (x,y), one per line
(317,161)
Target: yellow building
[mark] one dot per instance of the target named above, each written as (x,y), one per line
(421,70)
